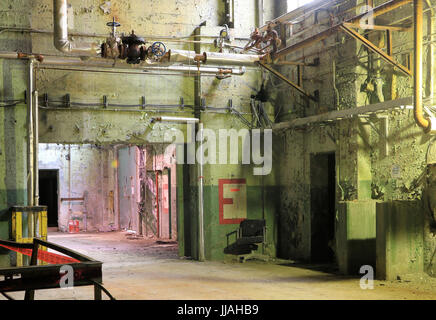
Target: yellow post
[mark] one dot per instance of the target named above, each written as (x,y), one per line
(17,233)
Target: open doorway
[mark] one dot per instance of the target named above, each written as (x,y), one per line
(147,191)
(48,194)
(322,204)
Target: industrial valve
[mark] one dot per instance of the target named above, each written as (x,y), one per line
(131,47)
(112,48)
(264,42)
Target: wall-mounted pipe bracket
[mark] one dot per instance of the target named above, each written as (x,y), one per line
(67,100)
(143,102)
(292,84)
(105,102)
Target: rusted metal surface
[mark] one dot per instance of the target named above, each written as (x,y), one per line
(376,49)
(379,10)
(264,42)
(34,277)
(282,77)
(374,26)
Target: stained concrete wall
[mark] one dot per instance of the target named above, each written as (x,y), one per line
(89,172)
(13,132)
(150,19)
(400,239)
(356,235)
(369,164)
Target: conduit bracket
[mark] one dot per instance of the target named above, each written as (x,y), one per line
(230,105)
(203,104)
(105,102)
(67,100)
(45,99)
(182,103)
(143,102)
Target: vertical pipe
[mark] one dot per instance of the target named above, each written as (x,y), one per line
(69,182)
(200,195)
(169,202)
(30,137)
(259,13)
(417,76)
(35,148)
(431,51)
(157,204)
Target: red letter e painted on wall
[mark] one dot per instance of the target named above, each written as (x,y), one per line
(232,200)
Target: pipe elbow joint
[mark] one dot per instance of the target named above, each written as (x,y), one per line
(63,45)
(431,128)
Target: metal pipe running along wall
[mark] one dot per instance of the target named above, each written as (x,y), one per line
(109,64)
(63,44)
(60,30)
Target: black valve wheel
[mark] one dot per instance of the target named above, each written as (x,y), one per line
(113,24)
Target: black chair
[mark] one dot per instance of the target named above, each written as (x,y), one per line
(249,235)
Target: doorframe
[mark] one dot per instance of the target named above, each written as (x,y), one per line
(58,190)
(332,153)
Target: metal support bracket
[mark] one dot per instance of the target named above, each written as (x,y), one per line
(67,100)
(375,49)
(230,105)
(292,84)
(182,103)
(143,102)
(105,102)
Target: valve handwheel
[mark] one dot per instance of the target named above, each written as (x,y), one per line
(158,49)
(114,25)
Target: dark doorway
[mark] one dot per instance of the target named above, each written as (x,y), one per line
(48,194)
(322,203)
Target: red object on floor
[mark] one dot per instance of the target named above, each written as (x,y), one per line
(73,226)
(49,257)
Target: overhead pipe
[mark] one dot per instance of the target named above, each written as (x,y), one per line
(63,44)
(60,32)
(214,58)
(175,119)
(107,63)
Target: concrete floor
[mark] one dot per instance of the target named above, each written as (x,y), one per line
(144,269)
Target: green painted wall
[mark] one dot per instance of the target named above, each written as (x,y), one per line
(370,165)
(356,235)
(400,241)
(13,152)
